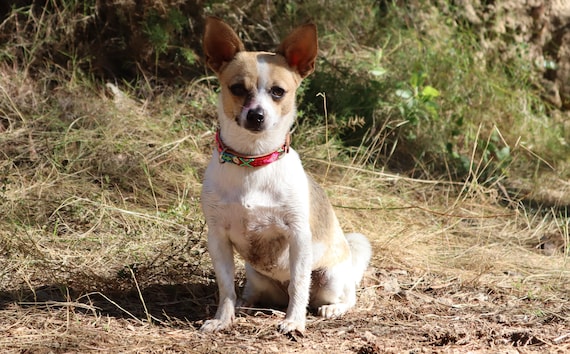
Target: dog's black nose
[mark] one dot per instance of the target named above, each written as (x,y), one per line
(255,116)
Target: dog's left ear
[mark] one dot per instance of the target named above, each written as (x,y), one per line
(300,49)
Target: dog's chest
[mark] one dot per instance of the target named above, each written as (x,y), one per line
(253,226)
(258,228)
(255,212)
(258,210)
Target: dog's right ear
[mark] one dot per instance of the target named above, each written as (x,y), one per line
(220,43)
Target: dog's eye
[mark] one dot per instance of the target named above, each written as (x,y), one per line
(276,92)
(238,90)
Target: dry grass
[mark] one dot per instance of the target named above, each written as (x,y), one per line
(102,244)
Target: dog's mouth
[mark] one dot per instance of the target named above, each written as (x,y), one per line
(251,127)
(254,128)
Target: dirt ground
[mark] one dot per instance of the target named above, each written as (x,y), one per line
(476,279)
(398,312)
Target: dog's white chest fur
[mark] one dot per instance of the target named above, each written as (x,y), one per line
(257,209)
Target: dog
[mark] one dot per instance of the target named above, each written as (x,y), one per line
(257,198)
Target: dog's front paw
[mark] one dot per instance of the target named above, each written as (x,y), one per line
(288,326)
(332,310)
(214,325)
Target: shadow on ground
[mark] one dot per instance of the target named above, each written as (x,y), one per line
(160,303)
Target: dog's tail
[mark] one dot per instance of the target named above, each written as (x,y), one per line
(361,254)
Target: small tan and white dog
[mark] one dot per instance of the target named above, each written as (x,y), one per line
(258,200)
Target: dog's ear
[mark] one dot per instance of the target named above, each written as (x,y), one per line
(220,43)
(300,49)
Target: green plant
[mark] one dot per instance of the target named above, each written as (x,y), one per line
(418,101)
(162,28)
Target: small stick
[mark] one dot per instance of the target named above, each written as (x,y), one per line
(561,338)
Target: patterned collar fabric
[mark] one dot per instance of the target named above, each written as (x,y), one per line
(228,155)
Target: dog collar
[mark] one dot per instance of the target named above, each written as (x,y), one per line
(228,155)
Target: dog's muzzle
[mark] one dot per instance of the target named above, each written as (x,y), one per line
(255,119)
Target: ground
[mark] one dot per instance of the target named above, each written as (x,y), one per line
(474,277)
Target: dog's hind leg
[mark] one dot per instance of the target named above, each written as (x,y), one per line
(333,291)
(260,289)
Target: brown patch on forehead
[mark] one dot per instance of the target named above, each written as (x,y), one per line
(279,72)
(244,69)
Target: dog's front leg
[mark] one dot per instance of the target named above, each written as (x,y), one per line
(300,262)
(221,251)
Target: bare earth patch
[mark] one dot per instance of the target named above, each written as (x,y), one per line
(398,312)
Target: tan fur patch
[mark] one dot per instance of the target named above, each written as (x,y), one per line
(326,229)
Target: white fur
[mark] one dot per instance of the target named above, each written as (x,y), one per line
(233,207)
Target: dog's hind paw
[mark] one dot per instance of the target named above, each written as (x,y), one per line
(333,310)
(288,326)
(214,325)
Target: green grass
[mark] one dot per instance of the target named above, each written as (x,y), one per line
(433,102)
(415,92)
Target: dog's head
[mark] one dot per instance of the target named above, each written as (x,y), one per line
(258,88)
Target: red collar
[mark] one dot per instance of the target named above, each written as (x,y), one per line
(228,155)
